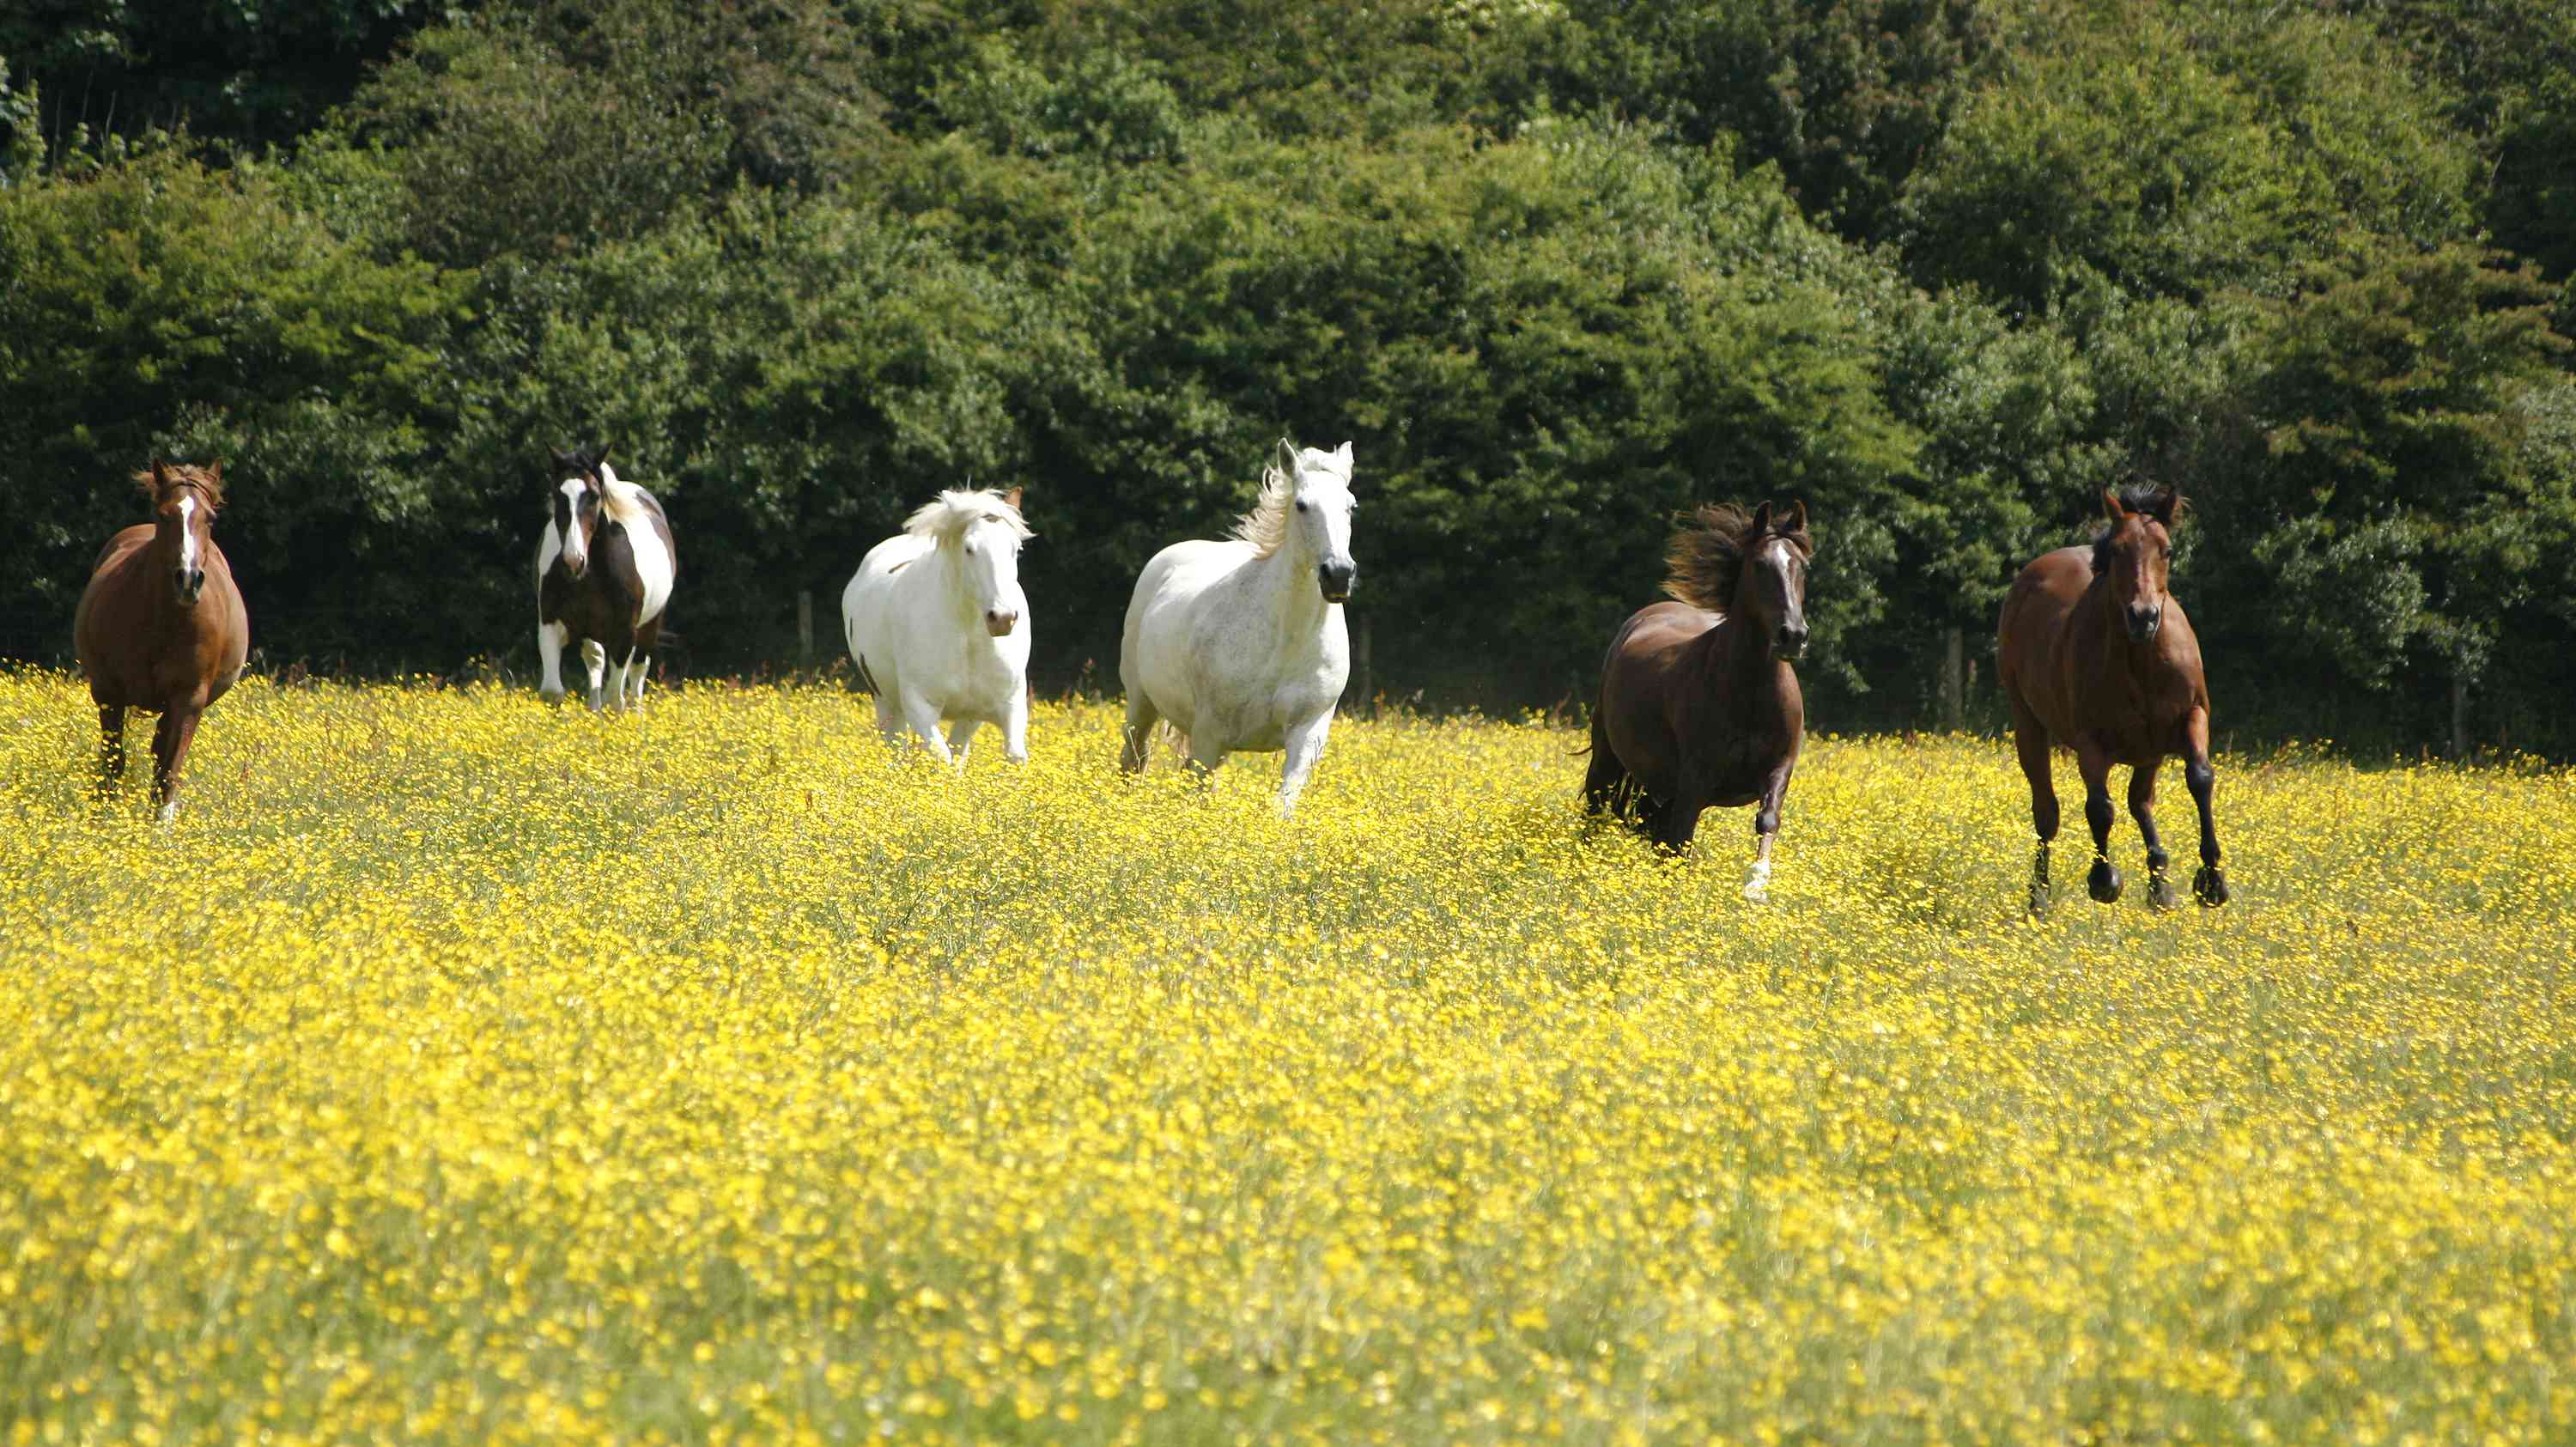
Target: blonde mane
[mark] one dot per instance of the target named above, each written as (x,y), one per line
(1266,526)
(946,518)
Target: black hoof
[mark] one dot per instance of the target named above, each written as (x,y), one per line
(2104,883)
(2160,891)
(2039,901)
(2209,885)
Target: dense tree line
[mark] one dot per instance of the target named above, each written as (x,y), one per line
(1944,268)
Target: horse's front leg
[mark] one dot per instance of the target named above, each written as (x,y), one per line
(2209,886)
(1015,725)
(594,661)
(961,737)
(111,750)
(551,638)
(2142,807)
(1766,828)
(2094,763)
(922,717)
(1676,822)
(170,756)
(1305,746)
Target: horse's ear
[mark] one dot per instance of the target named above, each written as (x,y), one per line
(1287,457)
(2168,506)
(2111,505)
(603,453)
(1761,521)
(1797,522)
(562,461)
(1345,455)
(1013,498)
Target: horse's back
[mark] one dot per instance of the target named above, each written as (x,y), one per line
(1642,677)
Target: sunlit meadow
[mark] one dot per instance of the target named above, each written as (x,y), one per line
(458,1069)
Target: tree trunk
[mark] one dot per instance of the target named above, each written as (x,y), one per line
(1954,680)
(2459,714)
(1364,675)
(804,627)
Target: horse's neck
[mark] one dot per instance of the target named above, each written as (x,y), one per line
(1288,585)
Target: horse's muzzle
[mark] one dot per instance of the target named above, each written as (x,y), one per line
(999,622)
(188,582)
(1790,642)
(1337,580)
(2144,622)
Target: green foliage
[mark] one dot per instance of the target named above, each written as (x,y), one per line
(2397,396)
(2180,156)
(157,307)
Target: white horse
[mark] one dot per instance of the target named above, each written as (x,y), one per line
(939,627)
(1241,643)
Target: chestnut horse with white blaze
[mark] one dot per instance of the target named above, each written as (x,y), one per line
(1699,707)
(2096,656)
(161,626)
(605,565)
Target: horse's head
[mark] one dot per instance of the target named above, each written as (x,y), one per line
(1319,517)
(184,503)
(2135,552)
(990,547)
(575,498)
(1773,592)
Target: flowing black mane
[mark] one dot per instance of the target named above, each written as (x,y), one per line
(1705,559)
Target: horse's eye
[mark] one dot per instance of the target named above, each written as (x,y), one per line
(1304,506)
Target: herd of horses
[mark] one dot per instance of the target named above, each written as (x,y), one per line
(1240,644)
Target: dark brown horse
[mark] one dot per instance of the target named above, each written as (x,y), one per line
(1699,706)
(161,626)
(2097,657)
(605,565)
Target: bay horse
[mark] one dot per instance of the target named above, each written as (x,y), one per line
(2096,656)
(605,565)
(1699,706)
(1241,643)
(939,627)
(160,627)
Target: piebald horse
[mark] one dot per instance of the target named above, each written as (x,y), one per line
(2096,656)
(1699,706)
(605,566)
(939,628)
(1241,643)
(161,626)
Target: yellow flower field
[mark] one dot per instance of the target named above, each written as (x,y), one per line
(460,1070)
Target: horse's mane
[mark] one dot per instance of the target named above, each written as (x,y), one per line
(1266,526)
(1706,557)
(945,518)
(2137,497)
(202,479)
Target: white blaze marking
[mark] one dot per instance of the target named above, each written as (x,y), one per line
(187,534)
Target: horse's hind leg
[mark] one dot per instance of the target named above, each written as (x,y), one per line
(961,736)
(111,750)
(2030,745)
(1138,733)
(2142,807)
(2103,882)
(170,757)
(1605,778)
(2209,886)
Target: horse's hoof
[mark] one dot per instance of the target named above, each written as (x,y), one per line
(2209,886)
(166,813)
(2039,901)
(2104,883)
(2160,891)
